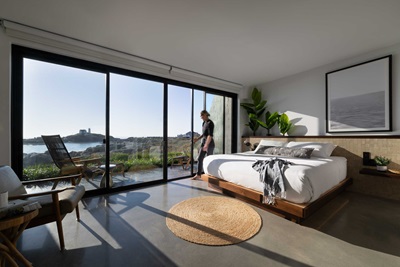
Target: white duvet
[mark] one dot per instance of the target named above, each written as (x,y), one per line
(306,179)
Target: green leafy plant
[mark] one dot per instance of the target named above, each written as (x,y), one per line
(284,124)
(382,161)
(254,110)
(40,171)
(270,121)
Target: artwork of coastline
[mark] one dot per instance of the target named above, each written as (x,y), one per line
(366,111)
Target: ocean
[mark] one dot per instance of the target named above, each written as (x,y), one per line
(361,111)
(70,146)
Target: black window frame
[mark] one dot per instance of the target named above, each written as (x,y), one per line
(20,52)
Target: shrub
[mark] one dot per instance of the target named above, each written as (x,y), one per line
(119,157)
(40,171)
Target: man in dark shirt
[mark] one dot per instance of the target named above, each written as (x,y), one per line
(207,142)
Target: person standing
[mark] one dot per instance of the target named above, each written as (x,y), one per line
(207,142)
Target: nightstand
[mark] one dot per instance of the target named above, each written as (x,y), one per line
(374,172)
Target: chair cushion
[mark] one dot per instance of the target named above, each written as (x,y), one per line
(69,199)
(10,182)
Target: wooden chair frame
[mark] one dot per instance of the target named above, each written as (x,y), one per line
(56,216)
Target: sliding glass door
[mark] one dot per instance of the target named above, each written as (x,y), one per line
(215,106)
(65,101)
(136,129)
(179,131)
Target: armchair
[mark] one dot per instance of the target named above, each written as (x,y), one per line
(56,203)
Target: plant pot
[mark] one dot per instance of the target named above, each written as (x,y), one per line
(381,168)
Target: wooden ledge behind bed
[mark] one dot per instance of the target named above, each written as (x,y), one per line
(289,210)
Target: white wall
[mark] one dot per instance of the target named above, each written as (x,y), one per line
(302,96)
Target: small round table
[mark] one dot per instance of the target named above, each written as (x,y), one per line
(103,178)
(10,230)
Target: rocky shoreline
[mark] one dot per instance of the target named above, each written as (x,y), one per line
(76,138)
(130,146)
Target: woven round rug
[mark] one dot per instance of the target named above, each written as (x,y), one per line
(213,220)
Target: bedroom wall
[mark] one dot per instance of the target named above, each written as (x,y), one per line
(302,96)
(352,148)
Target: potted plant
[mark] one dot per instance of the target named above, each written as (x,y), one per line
(284,124)
(270,121)
(254,110)
(381,163)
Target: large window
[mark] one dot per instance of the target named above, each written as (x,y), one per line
(140,127)
(136,128)
(179,131)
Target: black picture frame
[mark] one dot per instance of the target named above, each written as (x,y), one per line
(358,97)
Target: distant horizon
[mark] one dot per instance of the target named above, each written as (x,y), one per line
(123,137)
(57,98)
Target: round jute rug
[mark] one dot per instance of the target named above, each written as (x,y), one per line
(213,220)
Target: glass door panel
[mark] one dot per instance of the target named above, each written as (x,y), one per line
(136,130)
(65,101)
(228,125)
(198,106)
(215,106)
(179,131)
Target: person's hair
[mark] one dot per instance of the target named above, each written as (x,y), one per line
(205,112)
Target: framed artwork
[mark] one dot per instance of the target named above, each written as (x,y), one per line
(358,98)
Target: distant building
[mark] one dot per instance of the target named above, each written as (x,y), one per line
(188,135)
(84,132)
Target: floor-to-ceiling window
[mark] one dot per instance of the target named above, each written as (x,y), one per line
(62,100)
(136,128)
(179,131)
(141,127)
(215,106)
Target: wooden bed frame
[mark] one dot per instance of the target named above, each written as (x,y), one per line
(289,210)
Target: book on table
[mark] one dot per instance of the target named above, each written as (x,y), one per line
(18,206)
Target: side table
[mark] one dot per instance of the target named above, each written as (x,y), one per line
(10,230)
(374,172)
(103,178)
(111,168)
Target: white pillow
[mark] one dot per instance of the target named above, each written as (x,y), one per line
(322,150)
(269,143)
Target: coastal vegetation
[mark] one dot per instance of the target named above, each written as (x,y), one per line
(135,153)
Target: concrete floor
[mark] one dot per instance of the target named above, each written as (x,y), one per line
(128,229)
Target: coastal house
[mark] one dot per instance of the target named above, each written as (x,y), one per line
(141,71)
(84,131)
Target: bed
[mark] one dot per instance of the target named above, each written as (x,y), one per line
(313,178)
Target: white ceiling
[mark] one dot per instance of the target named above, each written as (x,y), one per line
(244,41)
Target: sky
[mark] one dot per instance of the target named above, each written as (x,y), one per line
(63,100)
(358,80)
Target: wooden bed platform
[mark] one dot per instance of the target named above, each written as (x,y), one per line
(289,210)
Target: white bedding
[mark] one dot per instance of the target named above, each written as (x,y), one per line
(306,180)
